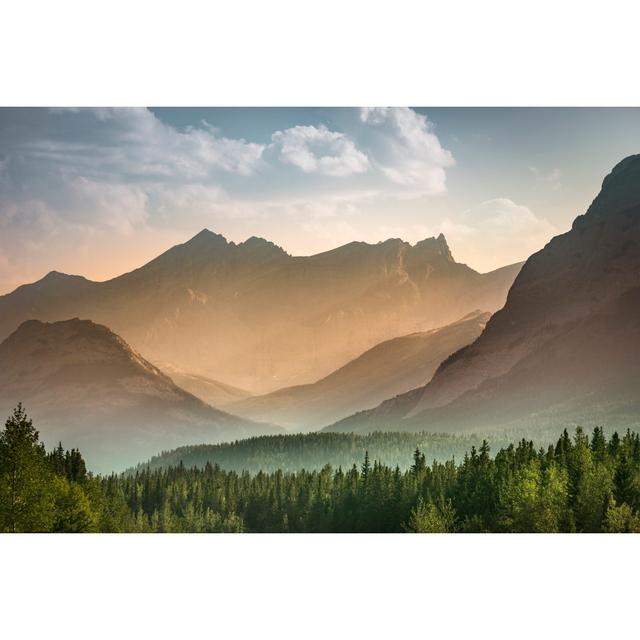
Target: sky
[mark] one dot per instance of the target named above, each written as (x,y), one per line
(98,192)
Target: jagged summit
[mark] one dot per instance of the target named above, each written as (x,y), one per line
(256,245)
(435,246)
(208,241)
(206,238)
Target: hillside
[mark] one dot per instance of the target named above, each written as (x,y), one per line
(390,368)
(86,386)
(565,349)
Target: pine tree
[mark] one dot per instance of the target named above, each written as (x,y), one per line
(427,518)
(419,462)
(366,467)
(598,445)
(624,490)
(26,494)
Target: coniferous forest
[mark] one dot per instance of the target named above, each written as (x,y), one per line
(582,483)
(312,451)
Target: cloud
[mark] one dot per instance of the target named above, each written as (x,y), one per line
(135,143)
(319,150)
(407,150)
(120,207)
(73,177)
(495,233)
(110,168)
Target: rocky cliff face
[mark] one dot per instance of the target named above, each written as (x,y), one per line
(566,343)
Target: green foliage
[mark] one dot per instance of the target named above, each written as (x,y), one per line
(582,483)
(73,510)
(312,451)
(566,487)
(428,518)
(534,499)
(26,496)
(622,519)
(42,492)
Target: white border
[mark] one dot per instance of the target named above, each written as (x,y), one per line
(286,52)
(335,52)
(324,587)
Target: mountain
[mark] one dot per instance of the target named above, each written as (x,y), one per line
(211,391)
(389,368)
(565,348)
(260,319)
(84,385)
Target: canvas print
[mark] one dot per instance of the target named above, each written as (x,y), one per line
(302,320)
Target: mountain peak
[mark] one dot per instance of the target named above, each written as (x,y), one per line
(207,237)
(55,282)
(52,275)
(74,340)
(86,385)
(59,276)
(73,324)
(620,190)
(434,247)
(257,245)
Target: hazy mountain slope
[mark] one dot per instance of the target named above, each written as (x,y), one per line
(85,386)
(213,392)
(260,319)
(388,368)
(566,345)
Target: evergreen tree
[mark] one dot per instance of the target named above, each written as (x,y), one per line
(427,518)
(26,498)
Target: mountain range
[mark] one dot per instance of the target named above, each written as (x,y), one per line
(389,368)
(85,386)
(564,350)
(256,318)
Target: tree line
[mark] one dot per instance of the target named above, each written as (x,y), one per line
(582,483)
(312,451)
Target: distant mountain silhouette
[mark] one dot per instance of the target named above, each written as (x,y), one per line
(213,392)
(565,348)
(258,318)
(84,385)
(389,368)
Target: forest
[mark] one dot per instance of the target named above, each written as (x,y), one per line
(585,482)
(312,451)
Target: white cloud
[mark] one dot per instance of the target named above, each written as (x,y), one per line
(407,150)
(319,150)
(495,233)
(111,169)
(120,207)
(135,143)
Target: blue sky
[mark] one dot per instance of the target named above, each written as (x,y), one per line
(101,191)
